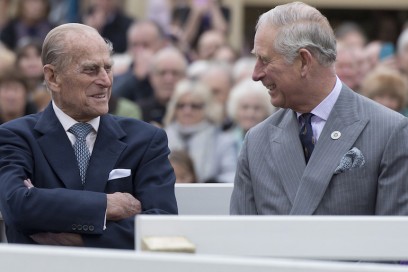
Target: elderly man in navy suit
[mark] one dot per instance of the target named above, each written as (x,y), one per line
(74,175)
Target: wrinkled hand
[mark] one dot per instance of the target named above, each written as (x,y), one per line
(58,239)
(121,206)
(28,183)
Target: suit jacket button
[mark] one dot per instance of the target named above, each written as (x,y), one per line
(91,228)
(74,227)
(85,227)
(79,227)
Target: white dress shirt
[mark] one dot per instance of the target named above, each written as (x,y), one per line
(322,111)
(67,122)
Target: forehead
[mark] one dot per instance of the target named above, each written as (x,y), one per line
(170,61)
(143,32)
(91,51)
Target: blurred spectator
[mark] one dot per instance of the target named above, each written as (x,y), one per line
(218,77)
(7,57)
(31,21)
(124,107)
(209,43)
(248,104)
(4,13)
(29,62)
(189,123)
(190,19)
(167,68)
(107,17)
(351,35)
(346,66)
(380,53)
(226,54)
(144,39)
(388,87)
(64,11)
(243,68)
(197,68)
(402,52)
(41,97)
(183,167)
(13,97)
(159,11)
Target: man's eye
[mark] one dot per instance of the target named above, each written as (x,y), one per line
(264,61)
(90,70)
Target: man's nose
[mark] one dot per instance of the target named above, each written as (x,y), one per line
(105,78)
(258,72)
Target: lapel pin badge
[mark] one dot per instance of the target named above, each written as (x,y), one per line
(335,135)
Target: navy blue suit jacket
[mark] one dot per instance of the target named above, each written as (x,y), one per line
(37,147)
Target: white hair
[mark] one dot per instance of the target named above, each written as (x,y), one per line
(246,88)
(402,41)
(243,66)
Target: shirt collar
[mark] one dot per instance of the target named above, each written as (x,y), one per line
(67,121)
(324,108)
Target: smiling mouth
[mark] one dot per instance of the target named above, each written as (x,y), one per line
(99,96)
(271,87)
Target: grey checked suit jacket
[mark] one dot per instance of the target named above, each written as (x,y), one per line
(272,177)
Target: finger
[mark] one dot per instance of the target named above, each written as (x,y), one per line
(28,183)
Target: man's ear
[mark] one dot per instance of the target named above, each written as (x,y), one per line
(51,78)
(305,61)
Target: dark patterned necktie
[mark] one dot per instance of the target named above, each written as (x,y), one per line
(81,130)
(306,135)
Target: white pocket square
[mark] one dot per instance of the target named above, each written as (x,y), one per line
(352,159)
(119,173)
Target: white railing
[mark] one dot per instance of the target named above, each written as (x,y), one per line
(18,258)
(310,237)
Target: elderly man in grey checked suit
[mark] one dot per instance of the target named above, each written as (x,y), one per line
(328,150)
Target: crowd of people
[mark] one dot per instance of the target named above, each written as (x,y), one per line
(178,71)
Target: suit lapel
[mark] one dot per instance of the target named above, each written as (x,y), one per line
(328,152)
(57,149)
(105,154)
(286,146)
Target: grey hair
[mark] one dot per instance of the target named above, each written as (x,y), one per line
(164,53)
(196,89)
(55,50)
(301,26)
(402,41)
(244,89)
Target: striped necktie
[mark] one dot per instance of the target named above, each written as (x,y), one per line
(81,130)
(306,135)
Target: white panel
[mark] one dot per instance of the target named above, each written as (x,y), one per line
(15,258)
(327,237)
(203,199)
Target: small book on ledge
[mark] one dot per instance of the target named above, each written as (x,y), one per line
(167,244)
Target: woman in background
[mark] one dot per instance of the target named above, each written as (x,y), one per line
(248,105)
(191,126)
(388,87)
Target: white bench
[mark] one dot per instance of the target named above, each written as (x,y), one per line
(310,237)
(203,199)
(21,258)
